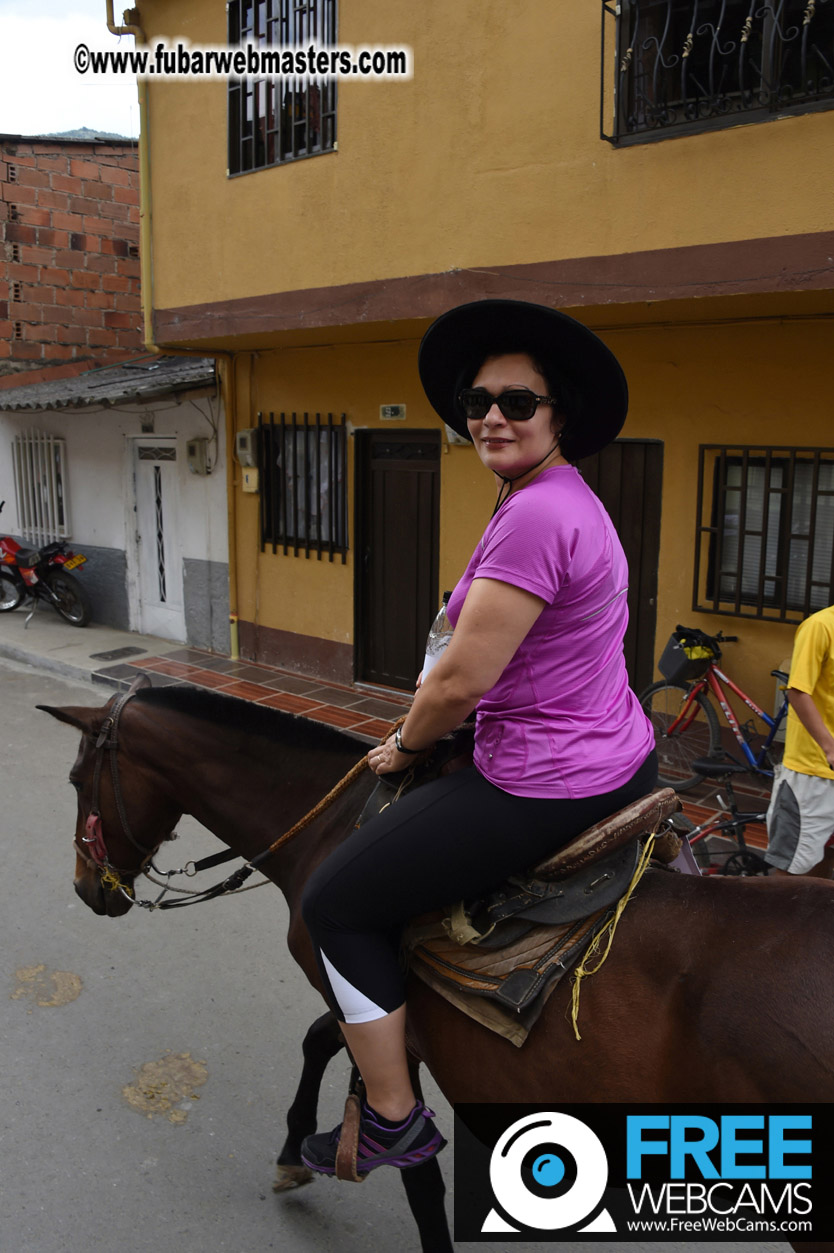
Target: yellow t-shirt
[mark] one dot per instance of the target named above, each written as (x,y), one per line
(812,671)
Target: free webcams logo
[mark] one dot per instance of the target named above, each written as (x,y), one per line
(733,1172)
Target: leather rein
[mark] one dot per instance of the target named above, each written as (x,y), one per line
(96,855)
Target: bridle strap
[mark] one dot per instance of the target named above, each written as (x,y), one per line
(108,738)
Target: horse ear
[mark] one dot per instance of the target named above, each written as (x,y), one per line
(141,681)
(75,715)
(89,720)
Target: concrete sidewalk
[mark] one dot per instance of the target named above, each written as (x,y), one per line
(113,658)
(74,652)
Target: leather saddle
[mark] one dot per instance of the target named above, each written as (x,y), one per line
(589,873)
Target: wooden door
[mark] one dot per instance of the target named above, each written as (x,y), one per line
(627,476)
(397,530)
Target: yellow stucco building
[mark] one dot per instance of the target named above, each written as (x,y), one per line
(678,201)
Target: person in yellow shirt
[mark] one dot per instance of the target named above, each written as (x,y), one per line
(800,819)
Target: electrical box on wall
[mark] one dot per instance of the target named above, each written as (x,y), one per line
(250,480)
(246,446)
(196,453)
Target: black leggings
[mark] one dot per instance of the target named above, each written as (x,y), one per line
(455,838)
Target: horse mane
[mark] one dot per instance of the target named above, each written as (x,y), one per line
(249,718)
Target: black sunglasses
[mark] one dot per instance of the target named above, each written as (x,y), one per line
(518,405)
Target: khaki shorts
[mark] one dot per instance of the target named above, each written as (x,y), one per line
(800,820)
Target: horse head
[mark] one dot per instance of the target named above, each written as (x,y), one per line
(119,824)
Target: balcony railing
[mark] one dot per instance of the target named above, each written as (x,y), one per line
(684,66)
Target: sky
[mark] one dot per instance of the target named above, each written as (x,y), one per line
(40,90)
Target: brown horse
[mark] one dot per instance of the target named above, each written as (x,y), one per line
(715,989)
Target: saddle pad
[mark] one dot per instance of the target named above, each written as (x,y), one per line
(506,989)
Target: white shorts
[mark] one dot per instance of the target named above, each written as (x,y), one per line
(800,820)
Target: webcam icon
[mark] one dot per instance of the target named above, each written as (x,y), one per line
(548,1172)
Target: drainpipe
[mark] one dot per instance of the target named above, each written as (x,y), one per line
(132,27)
(230,390)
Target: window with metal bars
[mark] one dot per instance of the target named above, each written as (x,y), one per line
(275,120)
(767,550)
(39,464)
(684,66)
(303,477)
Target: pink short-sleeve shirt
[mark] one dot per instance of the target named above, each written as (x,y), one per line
(562,720)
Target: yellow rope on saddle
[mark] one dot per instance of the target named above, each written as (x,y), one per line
(610,927)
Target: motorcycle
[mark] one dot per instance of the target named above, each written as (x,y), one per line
(43,574)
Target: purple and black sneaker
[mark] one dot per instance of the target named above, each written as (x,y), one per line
(381,1143)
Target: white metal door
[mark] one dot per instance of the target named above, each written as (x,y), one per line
(157,539)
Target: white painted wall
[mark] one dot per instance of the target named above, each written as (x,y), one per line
(99,457)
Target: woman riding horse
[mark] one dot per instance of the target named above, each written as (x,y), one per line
(560,740)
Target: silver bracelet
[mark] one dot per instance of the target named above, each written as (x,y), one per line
(398,740)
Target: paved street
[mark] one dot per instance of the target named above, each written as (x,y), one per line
(149,1060)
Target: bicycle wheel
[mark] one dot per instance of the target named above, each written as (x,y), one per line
(700,737)
(745,863)
(72,602)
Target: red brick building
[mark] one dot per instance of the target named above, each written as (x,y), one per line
(69,254)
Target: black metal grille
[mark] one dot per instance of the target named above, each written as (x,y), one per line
(157,454)
(303,468)
(274,120)
(768,548)
(160,533)
(689,65)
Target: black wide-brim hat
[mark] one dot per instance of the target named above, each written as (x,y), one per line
(458,342)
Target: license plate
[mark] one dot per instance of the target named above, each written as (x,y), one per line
(77,560)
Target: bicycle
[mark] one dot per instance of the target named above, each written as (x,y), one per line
(685,722)
(741,860)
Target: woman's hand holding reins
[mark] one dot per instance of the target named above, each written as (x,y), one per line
(386,758)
